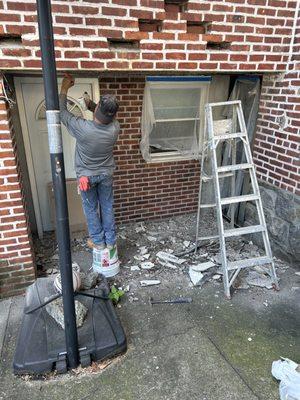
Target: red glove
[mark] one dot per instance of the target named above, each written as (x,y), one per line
(84,183)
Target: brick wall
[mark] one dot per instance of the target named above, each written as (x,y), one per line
(277,149)
(252,35)
(147,35)
(16,255)
(277,144)
(145,190)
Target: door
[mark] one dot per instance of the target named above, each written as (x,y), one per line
(31,103)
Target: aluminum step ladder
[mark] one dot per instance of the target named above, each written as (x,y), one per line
(209,154)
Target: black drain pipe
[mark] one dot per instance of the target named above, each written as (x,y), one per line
(58,177)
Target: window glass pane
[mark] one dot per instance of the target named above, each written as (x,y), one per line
(179,135)
(175,103)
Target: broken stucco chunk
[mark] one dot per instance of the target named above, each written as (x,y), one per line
(55,310)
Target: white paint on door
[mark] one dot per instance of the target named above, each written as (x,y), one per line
(30,98)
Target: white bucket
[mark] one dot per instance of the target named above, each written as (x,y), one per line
(106,262)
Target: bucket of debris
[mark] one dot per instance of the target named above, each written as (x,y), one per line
(106,261)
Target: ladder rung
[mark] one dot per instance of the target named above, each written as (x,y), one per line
(225,103)
(208,237)
(230,136)
(227,168)
(224,175)
(248,262)
(244,230)
(208,205)
(239,199)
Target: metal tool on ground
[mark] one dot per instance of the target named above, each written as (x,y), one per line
(215,135)
(179,300)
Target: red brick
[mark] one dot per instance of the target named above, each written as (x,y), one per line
(152,3)
(174,26)
(164,35)
(20,6)
(197,56)
(127,3)
(218,57)
(66,43)
(118,64)
(110,33)
(103,54)
(175,56)
(9,17)
(187,65)
(6,63)
(32,64)
(85,10)
(136,35)
(142,14)
(59,8)
(15,52)
(19,29)
(82,31)
(151,46)
(174,46)
(222,7)
(188,36)
(238,57)
(124,23)
(152,56)
(120,12)
(69,20)
(142,65)
(66,64)
(165,65)
(95,44)
(76,54)
(208,65)
(212,38)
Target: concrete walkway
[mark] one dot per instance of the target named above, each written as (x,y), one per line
(211,349)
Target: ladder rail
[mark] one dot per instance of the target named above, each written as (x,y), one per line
(232,269)
(218,202)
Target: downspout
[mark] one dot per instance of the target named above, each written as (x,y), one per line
(58,177)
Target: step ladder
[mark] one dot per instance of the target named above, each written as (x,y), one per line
(209,154)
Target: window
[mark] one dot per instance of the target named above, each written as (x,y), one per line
(173,117)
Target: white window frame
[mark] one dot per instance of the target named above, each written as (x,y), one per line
(202,84)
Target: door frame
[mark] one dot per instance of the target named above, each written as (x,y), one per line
(18,81)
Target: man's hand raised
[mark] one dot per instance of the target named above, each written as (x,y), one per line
(67,82)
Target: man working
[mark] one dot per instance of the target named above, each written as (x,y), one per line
(94,163)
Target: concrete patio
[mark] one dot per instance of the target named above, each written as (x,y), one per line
(211,349)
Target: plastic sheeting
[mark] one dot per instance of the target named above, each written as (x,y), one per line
(172,117)
(246,89)
(286,371)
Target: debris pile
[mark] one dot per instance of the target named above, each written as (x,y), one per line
(154,252)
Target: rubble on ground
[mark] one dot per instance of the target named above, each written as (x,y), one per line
(154,252)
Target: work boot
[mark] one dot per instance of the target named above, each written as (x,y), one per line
(92,245)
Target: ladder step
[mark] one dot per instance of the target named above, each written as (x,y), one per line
(244,230)
(227,168)
(230,136)
(239,199)
(225,103)
(207,205)
(206,178)
(248,262)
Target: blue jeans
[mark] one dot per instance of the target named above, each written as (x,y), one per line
(98,209)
